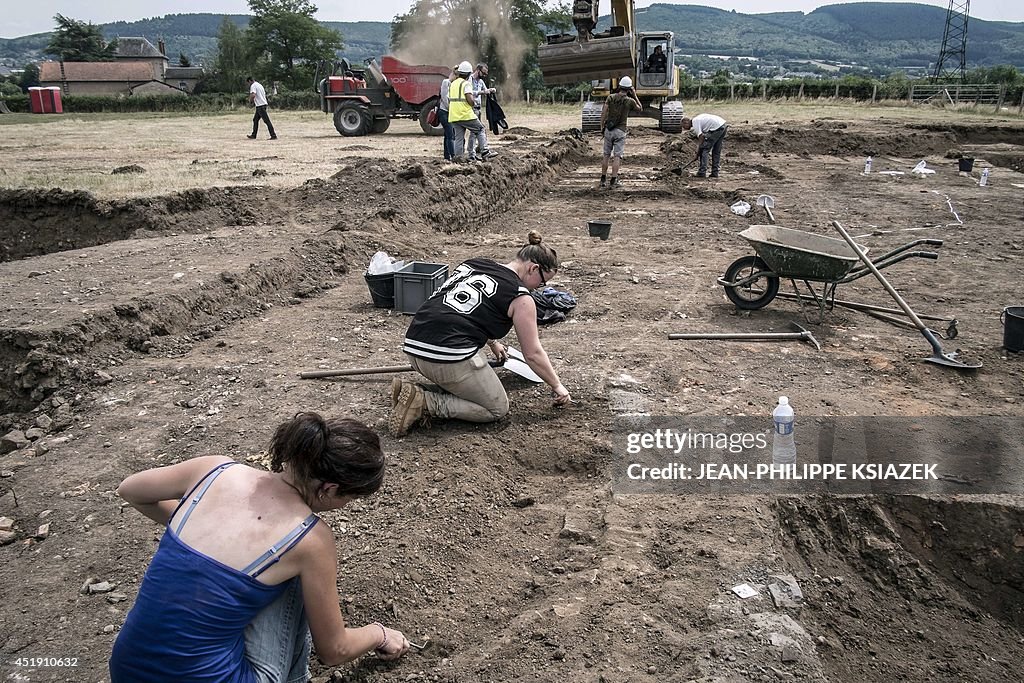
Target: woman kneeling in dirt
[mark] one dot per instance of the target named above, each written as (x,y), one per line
(245,570)
(479,304)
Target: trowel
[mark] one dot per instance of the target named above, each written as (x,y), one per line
(515,364)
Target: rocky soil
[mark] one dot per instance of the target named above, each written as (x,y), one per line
(143,332)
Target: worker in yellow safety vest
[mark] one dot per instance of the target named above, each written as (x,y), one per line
(461,116)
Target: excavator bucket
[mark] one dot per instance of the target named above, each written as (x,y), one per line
(587,60)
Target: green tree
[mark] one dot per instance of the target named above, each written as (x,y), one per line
(8,88)
(1003,74)
(79,41)
(29,77)
(721,77)
(230,64)
(183,59)
(286,41)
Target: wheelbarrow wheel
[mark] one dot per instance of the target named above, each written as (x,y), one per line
(756,293)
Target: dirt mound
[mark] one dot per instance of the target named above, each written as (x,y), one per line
(836,140)
(973,133)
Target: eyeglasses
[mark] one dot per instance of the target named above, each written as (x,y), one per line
(540,272)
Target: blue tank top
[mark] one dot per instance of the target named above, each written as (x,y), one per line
(189,619)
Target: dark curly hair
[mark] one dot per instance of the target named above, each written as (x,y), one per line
(338,451)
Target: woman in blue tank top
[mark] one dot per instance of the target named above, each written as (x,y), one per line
(245,575)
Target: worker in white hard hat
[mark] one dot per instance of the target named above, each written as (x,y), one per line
(461,101)
(613,123)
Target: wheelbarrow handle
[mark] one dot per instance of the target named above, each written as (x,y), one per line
(932,242)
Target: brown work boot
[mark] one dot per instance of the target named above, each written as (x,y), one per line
(410,407)
(396,390)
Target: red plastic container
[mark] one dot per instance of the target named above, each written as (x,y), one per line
(56,106)
(45,100)
(36,97)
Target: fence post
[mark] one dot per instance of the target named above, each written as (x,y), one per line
(801,94)
(527,97)
(732,91)
(1020,107)
(581,97)
(1002,95)
(764,91)
(910,94)
(837,92)
(700,88)
(874,93)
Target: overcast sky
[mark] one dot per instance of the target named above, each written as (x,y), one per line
(19,18)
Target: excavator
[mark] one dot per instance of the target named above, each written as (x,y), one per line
(604,57)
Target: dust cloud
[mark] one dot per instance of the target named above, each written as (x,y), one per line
(452,34)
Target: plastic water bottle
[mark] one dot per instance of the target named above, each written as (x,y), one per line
(867,166)
(783,445)
(984,178)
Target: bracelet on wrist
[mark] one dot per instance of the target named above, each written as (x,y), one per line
(384,632)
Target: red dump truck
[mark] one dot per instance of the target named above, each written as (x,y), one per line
(363,101)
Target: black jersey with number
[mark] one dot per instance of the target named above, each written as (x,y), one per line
(469,308)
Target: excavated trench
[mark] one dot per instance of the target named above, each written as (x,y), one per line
(937,572)
(43,353)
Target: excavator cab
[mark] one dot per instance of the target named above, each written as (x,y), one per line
(656,72)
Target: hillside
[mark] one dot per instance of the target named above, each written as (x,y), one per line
(196,36)
(882,35)
(879,35)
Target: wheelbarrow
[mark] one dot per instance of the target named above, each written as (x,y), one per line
(752,282)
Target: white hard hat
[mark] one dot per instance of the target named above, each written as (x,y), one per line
(625,82)
(465,68)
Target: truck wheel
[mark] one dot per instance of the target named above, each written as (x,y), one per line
(352,120)
(380,125)
(427,128)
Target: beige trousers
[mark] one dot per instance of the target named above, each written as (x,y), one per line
(470,389)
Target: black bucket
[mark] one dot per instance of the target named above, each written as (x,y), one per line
(600,229)
(1013,328)
(966,165)
(382,289)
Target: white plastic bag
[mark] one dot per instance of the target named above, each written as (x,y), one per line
(922,169)
(381,263)
(740,208)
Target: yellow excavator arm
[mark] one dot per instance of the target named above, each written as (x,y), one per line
(591,54)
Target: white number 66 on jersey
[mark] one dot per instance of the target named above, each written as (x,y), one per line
(467,290)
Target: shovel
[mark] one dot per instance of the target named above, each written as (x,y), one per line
(515,364)
(939,357)
(682,169)
(767,202)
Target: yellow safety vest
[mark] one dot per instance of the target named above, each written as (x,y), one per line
(458,108)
